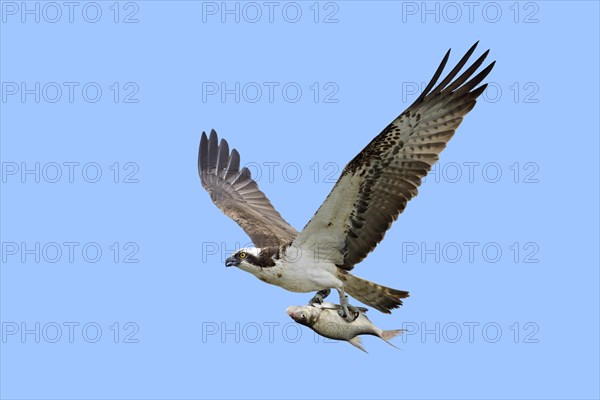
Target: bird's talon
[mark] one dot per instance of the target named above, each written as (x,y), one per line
(348,312)
(355,312)
(319,297)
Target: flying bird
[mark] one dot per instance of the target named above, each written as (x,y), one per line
(373,189)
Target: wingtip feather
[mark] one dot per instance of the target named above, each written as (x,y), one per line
(202,155)
(223,156)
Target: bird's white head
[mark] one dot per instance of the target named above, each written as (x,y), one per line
(244,258)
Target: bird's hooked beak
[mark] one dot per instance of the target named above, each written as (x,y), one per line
(232,262)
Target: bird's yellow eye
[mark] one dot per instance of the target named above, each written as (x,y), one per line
(243,255)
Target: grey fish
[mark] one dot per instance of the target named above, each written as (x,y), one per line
(326,321)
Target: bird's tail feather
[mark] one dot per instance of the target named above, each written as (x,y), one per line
(379,297)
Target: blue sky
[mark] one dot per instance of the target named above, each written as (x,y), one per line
(112,280)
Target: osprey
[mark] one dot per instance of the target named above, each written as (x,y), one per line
(373,189)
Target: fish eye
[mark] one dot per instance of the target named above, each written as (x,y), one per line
(242,255)
(303,316)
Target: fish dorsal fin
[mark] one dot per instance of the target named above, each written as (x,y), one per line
(331,306)
(356,342)
(326,306)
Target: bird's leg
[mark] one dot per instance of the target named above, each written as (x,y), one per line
(347,311)
(319,297)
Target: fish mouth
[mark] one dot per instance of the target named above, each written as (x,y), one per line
(290,311)
(231,262)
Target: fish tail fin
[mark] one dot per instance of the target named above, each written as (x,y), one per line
(377,296)
(388,335)
(356,342)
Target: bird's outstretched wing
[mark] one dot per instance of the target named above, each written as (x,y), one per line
(375,187)
(237,194)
